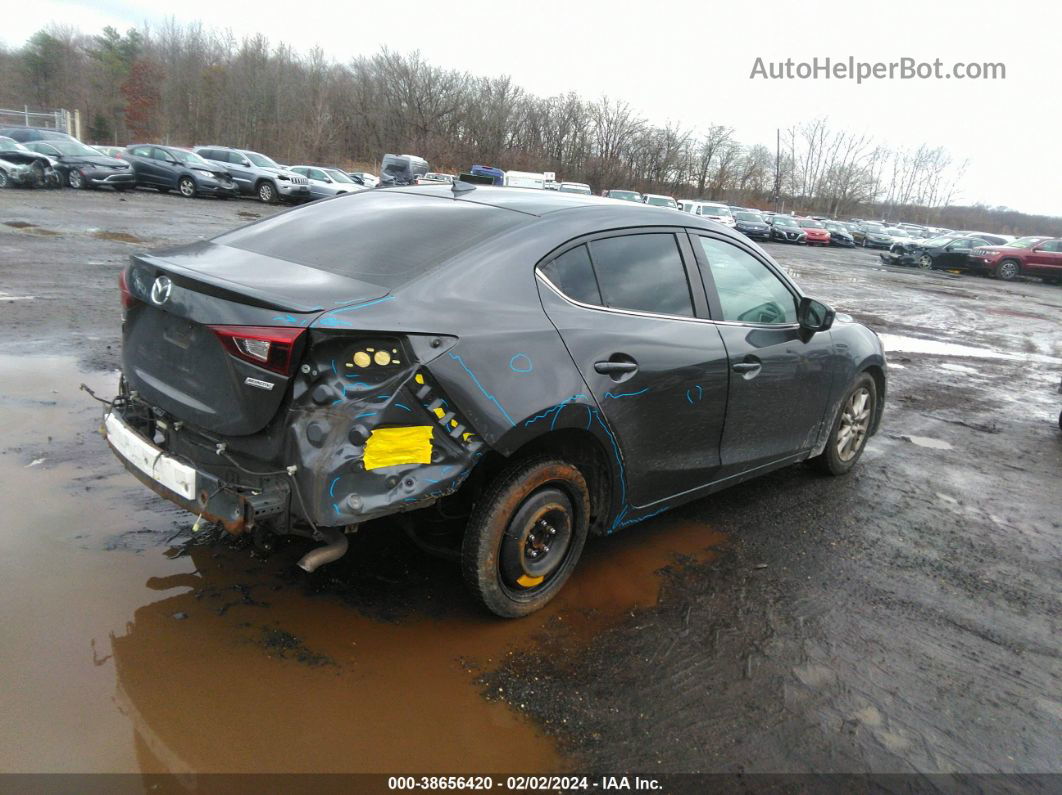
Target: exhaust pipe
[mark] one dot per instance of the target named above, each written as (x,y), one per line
(335,547)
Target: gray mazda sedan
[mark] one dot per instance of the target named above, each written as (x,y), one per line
(542,365)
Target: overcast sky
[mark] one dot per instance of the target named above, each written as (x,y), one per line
(690,62)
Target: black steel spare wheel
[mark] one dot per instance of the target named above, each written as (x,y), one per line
(525,535)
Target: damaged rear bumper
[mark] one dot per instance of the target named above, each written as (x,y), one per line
(235,507)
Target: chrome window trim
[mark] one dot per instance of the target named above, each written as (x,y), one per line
(637,313)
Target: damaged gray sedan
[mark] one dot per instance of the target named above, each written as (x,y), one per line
(547,365)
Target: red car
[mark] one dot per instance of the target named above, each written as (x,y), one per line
(817,234)
(1026,256)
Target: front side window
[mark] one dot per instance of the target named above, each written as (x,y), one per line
(1053,246)
(643,273)
(317,174)
(574,276)
(749,291)
(140,151)
(260,160)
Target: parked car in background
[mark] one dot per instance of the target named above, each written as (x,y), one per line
(752,225)
(258,175)
(364,178)
(525,179)
(719,213)
(941,253)
(785,229)
(398,170)
(839,234)
(110,151)
(22,166)
(27,134)
(82,167)
(435,178)
(167,168)
(496,175)
(815,232)
(993,240)
(659,200)
(689,206)
(623,195)
(575,187)
(1036,256)
(628,343)
(326,182)
(874,235)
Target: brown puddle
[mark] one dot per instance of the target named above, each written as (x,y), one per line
(118,657)
(26,226)
(118,237)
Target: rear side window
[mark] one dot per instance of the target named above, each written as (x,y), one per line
(384,237)
(574,276)
(642,272)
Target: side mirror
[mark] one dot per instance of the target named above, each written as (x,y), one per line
(245,163)
(814,315)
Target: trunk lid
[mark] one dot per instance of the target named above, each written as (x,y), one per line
(175,360)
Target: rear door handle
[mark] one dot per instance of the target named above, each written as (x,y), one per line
(615,368)
(745,367)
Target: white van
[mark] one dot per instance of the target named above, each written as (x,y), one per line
(525,179)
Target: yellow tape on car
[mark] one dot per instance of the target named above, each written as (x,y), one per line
(388,447)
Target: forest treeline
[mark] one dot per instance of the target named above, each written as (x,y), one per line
(187,85)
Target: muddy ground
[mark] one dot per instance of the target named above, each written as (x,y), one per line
(902,619)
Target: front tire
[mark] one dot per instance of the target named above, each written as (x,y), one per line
(851,428)
(525,536)
(267,194)
(1008,270)
(186,187)
(925,262)
(76,180)
(4,181)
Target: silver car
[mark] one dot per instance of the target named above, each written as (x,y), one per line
(326,182)
(258,175)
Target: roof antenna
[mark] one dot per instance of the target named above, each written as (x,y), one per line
(460,187)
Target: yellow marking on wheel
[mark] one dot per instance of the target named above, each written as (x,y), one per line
(439,412)
(382,358)
(453,423)
(362,359)
(419,378)
(528,581)
(466,435)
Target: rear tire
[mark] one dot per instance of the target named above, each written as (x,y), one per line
(186,187)
(525,536)
(851,428)
(1008,270)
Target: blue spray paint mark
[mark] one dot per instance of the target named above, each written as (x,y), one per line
(404,407)
(627,394)
(288,319)
(365,414)
(335,507)
(328,320)
(700,392)
(688,398)
(334,371)
(362,306)
(482,389)
(554,410)
(521,363)
(357,385)
(689,394)
(383,397)
(332,488)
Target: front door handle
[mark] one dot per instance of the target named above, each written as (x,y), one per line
(615,368)
(745,367)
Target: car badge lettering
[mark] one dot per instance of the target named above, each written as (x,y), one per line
(258,383)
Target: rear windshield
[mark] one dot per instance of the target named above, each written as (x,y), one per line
(382,237)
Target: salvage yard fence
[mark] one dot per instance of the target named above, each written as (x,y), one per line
(59,119)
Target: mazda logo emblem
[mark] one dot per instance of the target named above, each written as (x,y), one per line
(160,290)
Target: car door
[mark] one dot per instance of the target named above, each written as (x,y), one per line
(1045,260)
(780,376)
(650,357)
(139,159)
(165,167)
(957,252)
(240,168)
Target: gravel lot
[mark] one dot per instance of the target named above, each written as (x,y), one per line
(903,619)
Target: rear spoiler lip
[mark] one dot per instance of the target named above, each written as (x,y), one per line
(221,287)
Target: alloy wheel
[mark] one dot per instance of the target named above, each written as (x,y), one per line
(855,422)
(186,187)
(925,262)
(75,179)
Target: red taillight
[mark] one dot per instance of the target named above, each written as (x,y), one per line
(123,288)
(265,346)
